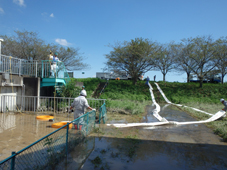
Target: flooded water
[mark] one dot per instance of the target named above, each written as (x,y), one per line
(20,130)
(162,147)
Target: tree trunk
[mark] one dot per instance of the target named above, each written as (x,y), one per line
(164,77)
(134,79)
(200,83)
(188,76)
(222,78)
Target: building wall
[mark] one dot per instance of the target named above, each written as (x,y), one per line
(31,86)
(11,84)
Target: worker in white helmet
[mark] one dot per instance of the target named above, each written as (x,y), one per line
(54,66)
(80,104)
(224,103)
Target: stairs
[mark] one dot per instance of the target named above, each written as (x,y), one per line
(52,82)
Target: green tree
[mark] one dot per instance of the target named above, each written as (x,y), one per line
(164,60)
(27,45)
(72,58)
(70,90)
(204,57)
(134,57)
(184,59)
(221,56)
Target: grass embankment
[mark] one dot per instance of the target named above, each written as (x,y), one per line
(124,97)
(206,99)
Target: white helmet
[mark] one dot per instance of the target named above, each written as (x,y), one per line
(221,100)
(83,93)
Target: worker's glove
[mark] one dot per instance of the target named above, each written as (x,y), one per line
(94,110)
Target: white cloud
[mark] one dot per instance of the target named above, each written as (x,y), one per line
(19,2)
(62,42)
(52,15)
(1,11)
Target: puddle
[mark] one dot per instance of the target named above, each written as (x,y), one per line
(162,147)
(20,130)
(115,153)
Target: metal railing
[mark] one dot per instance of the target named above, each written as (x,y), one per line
(54,70)
(10,64)
(45,105)
(33,68)
(49,151)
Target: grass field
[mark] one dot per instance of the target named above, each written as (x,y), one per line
(124,97)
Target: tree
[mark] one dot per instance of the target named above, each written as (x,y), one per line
(184,60)
(71,58)
(165,59)
(134,57)
(221,56)
(27,45)
(204,57)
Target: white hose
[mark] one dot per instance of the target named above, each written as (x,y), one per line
(163,121)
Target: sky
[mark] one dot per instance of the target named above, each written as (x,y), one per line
(93,25)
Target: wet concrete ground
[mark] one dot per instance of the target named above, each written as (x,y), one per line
(20,130)
(163,147)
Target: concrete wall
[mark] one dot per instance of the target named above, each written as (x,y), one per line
(13,84)
(31,86)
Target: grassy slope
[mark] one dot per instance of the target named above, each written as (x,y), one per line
(123,96)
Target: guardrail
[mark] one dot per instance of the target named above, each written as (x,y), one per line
(33,68)
(45,105)
(50,150)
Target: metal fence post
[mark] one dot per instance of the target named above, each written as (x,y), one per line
(34,103)
(42,70)
(67,133)
(13,161)
(36,69)
(20,68)
(87,125)
(4,104)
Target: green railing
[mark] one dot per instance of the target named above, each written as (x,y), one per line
(33,68)
(52,149)
(102,114)
(50,70)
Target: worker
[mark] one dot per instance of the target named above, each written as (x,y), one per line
(147,80)
(79,105)
(51,56)
(54,65)
(83,88)
(224,103)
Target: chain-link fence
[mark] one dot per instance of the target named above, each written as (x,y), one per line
(102,114)
(48,152)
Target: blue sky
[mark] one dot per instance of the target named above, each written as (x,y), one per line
(93,24)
